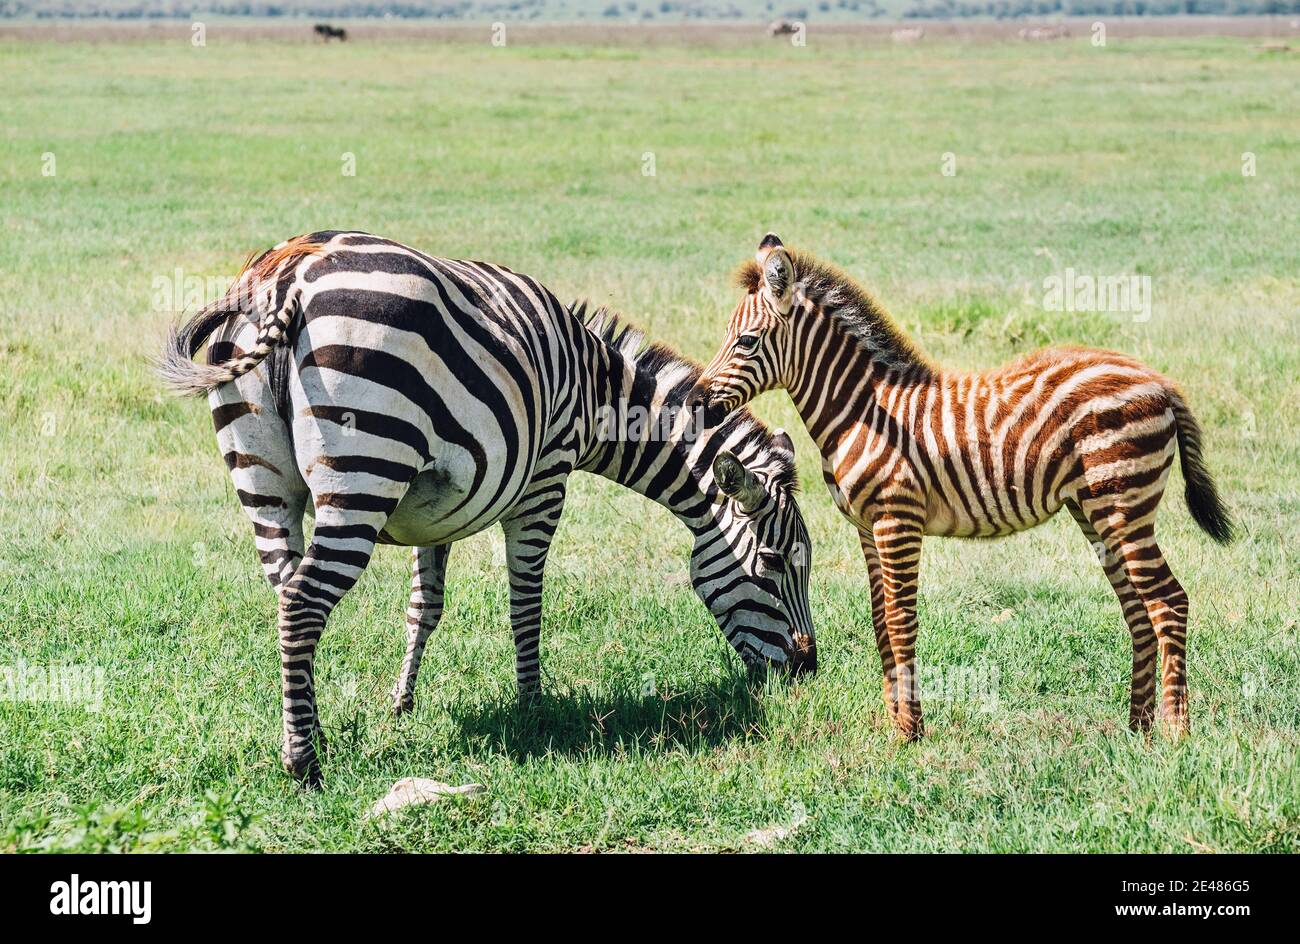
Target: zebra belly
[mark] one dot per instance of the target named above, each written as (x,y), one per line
(1000,519)
(424,515)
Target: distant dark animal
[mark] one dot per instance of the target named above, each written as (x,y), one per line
(782,28)
(327,32)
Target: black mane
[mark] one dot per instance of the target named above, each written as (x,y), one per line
(654,358)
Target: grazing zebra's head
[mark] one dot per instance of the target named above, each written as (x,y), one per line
(754,356)
(752,553)
(757,585)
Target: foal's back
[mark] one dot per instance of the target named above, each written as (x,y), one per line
(1015,443)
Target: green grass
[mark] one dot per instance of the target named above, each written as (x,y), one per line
(123,549)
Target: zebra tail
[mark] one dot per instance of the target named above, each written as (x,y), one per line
(1202,497)
(177,367)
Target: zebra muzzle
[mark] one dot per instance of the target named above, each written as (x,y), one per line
(803,657)
(706,412)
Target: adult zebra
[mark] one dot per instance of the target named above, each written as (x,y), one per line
(418,400)
(909,449)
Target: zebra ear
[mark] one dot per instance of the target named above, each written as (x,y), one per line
(778,273)
(737,482)
(781,440)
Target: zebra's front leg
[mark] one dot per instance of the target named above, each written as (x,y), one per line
(897,533)
(428,577)
(528,541)
(879,626)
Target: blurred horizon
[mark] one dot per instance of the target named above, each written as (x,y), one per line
(640,11)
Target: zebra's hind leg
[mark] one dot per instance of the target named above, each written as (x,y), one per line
(258,451)
(1166,604)
(878,623)
(528,541)
(340,549)
(1142,689)
(1133,542)
(428,575)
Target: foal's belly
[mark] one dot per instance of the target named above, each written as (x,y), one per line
(989,519)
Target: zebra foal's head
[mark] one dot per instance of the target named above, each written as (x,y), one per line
(755,582)
(754,355)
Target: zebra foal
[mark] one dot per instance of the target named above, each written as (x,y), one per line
(909,449)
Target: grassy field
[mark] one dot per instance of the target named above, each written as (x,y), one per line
(124,555)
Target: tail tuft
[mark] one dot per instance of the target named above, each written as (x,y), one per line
(1202,497)
(175,364)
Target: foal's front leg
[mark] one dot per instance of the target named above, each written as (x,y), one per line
(877,588)
(897,532)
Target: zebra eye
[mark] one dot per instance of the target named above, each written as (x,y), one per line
(771,561)
(748,343)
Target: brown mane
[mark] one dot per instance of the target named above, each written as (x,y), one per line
(748,276)
(835,291)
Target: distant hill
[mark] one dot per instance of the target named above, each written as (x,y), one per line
(631,11)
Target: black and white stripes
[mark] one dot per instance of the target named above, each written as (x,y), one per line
(416,401)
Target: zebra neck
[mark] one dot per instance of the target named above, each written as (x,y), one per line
(837,376)
(643,439)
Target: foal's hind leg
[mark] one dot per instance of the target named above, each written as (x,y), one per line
(1129,534)
(1166,604)
(428,574)
(1143,688)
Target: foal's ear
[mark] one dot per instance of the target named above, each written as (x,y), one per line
(778,272)
(781,440)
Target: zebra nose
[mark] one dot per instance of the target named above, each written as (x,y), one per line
(803,658)
(700,404)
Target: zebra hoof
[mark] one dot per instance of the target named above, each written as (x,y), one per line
(909,732)
(402,705)
(304,768)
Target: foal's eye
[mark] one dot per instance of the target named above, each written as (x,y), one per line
(747,343)
(771,561)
